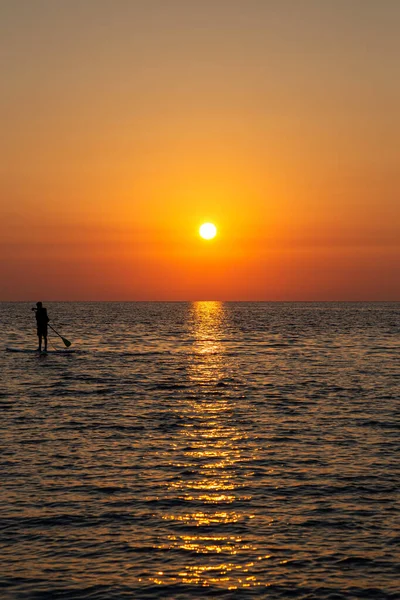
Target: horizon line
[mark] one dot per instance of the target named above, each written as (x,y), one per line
(209,300)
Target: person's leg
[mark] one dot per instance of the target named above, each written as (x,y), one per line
(40,341)
(45,341)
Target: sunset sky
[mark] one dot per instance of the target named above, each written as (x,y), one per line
(126,124)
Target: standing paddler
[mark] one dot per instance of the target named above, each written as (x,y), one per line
(41,322)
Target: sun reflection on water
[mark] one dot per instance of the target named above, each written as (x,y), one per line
(211,445)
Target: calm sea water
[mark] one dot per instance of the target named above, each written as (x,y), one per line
(233,450)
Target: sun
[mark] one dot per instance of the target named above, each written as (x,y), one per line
(208,231)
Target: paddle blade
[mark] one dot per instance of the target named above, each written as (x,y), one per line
(66,342)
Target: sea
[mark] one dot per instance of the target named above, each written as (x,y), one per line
(201,450)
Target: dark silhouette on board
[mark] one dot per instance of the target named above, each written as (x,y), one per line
(41,321)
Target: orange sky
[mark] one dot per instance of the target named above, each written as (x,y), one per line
(125,125)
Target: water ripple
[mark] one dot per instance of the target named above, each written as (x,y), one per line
(202,450)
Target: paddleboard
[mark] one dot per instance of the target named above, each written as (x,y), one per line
(29,351)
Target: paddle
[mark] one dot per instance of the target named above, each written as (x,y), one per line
(66,342)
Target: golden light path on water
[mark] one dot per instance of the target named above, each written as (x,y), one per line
(212,453)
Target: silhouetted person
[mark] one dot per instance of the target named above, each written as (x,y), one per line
(41,320)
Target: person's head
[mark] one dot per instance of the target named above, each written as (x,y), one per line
(39,305)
